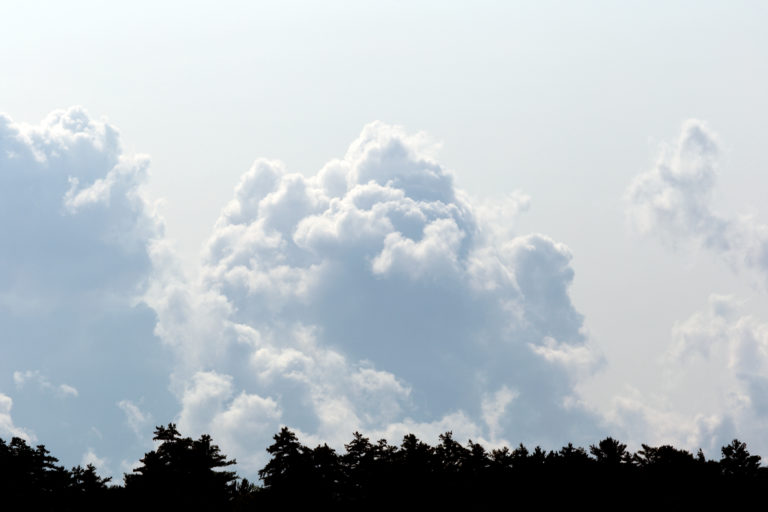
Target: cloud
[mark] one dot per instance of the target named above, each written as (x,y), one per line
(711,387)
(78,239)
(645,419)
(138,420)
(674,200)
(375,295)
(717,362)
(21,378)
(100,463)
(733,346)
(7,428)
(739,344)
(66,185)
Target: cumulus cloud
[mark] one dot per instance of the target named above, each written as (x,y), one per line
(78,240)
(240,422)
(67,185)
(674,200)
(375,295)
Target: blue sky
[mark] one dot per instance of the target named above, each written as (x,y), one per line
(539,222)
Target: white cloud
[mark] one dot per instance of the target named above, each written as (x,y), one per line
(712,387)
(138,420)
(21,378)
(579,359)
(372,296)
(738,343)
(239,424)
(674,200)
(675,195)
(7,428)
(67,185)
(644,421)
(100,463)
(77,242)
(375,296)
(716,365)
(494,407)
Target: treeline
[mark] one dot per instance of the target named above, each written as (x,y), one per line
(186,474)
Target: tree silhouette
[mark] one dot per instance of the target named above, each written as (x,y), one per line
(182,473)
(415,465)
(663,457)
(186,474)
(572,457)
(610,452)
(520,458)
(359,462)
(31,475)
(326,473)
(451,454)
(289,469)
(737,461)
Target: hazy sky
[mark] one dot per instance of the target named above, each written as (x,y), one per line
(520,221)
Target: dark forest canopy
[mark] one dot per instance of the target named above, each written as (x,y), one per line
(186,474)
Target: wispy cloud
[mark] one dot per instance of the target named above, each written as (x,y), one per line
(35,377)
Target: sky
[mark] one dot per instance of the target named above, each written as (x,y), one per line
(537,222)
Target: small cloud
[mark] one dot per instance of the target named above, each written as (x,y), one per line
(34,376)
(494,407)
(90,457)
(66,389)
(137,419)
(674,201)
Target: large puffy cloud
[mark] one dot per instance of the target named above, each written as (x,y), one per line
(77,239)
(375,295)
(674,200)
